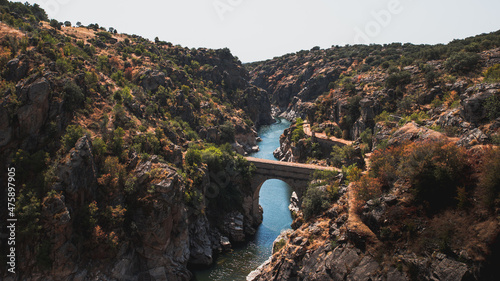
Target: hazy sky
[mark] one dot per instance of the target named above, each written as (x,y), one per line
(261,29)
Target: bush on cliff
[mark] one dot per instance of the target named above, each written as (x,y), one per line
(434,170)
(489,179)
(315,201)
(298,132)
(462,62)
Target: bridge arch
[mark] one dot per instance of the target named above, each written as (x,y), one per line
(297,176)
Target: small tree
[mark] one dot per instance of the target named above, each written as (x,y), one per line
(78,24)
(55,24)
(67,23)
(73,133)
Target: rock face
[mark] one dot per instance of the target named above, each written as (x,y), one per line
(57,218)
(474,100)
(296,82)
(200,245)
(289,151)
(152,80)
(413,132)
(34,112)
(341,259)
(17,69)
(257,105)
(234,227)
(78,175)
(365,121)
(162,245)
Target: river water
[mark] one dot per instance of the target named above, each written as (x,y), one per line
(274,199)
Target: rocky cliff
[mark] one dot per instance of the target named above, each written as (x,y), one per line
(98,126)
(380,228)
(425,120)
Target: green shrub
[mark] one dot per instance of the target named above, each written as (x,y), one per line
(492,106)
(279,245)
(227,132)
(73,96)
(298,132)
(193,157)
(462,62)
(337,132)
(417,117)
(55,24)
(492,74)
(324,175)
(64,66)
(73,133)
(383,117)
(398,79)
(28,212)
(100,147)
(366,137)
(117,144)
(341,155)
(314,202)
(352,173)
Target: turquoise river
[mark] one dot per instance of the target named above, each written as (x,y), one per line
(274,199)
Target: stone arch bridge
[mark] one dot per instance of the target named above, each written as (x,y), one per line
(294,174)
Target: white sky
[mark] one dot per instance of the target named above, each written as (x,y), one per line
(261,29)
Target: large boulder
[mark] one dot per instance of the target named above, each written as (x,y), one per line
(16,69)
(152,80)
(413,132)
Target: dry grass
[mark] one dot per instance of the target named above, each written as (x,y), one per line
(6,30)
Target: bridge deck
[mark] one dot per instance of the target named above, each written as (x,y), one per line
(290,164)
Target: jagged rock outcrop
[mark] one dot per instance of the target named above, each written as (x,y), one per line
(34,112)
(57,219)
(288,150)
(78,174)
(257,105)
(297,81)
(162,225)
(368,110)
(474,99)
(17,69)
(152,80)
(413,132)
(234,226)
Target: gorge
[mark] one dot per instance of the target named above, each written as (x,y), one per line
(139,159)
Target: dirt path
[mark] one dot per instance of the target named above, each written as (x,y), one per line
(323,136)
(354,223)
